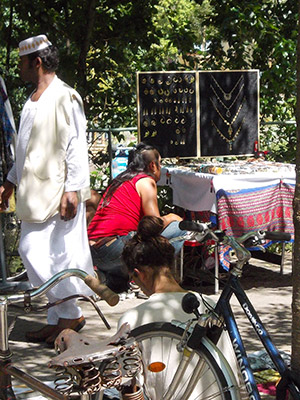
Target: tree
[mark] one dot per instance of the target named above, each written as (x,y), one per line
(104,43)
(260,34)
(296,255)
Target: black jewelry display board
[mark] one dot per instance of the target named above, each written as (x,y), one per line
(204,113)
(229,104)
(167,112)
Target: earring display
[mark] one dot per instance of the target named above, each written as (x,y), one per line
(199,113)
(167,107)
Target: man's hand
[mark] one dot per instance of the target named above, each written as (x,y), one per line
(68,206)
(5,193)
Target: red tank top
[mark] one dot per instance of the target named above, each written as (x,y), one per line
(121,215)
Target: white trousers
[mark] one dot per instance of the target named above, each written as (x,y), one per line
(54,246)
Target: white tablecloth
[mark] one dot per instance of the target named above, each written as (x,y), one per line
(196,191)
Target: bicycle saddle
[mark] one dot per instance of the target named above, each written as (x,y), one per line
(76,349)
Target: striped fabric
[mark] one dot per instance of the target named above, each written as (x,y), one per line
(266,208)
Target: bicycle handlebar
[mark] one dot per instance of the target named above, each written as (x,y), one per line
(202,232)
(281,236)
(100,289)
(192,226)
(201,227)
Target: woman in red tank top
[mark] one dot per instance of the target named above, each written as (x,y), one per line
(130,196)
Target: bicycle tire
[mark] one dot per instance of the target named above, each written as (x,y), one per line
(158,344)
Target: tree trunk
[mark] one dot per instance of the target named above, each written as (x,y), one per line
(296,255)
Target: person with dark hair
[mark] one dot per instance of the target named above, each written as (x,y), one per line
(7,133)
(130,196)
(149,258)
(51,173)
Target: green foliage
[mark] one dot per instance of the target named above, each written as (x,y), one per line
(165,199)
(104,43)
(261,35)
(99,179)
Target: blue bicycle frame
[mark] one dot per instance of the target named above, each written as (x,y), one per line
(223,308)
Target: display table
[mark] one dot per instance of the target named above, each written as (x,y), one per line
(197,191)
(244,195)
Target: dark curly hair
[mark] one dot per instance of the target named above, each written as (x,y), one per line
(148,248)
(49,57)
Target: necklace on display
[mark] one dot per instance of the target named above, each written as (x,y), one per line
(227,95)
(227,108)
(231,140)
(229,124)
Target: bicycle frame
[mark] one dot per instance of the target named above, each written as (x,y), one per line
(7,369)
(223,308)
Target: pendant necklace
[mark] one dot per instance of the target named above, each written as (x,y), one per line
(231,140)
(227,95)
(227,108)
(229,124)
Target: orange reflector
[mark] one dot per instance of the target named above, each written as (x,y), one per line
(156,366)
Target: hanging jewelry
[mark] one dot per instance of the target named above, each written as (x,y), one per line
(227,95)
(228,113)
(229,124)
(233,138)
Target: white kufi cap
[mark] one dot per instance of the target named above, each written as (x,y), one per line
(33,44)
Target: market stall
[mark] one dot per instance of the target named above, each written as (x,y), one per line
(242,195)
(196,119)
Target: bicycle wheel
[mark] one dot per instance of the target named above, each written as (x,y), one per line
(213,377)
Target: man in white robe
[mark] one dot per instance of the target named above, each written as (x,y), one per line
(51,174)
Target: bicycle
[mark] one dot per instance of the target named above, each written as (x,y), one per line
(187,362)
(84,366)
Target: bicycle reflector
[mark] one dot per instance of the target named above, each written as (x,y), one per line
(156,366)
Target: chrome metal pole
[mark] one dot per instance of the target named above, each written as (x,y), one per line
(4,349)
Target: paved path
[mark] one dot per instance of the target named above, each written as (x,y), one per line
(270,292)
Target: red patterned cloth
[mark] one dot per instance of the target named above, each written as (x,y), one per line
(267,208)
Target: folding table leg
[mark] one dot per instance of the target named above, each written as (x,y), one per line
(181,262)
(282,258)
(216,269)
